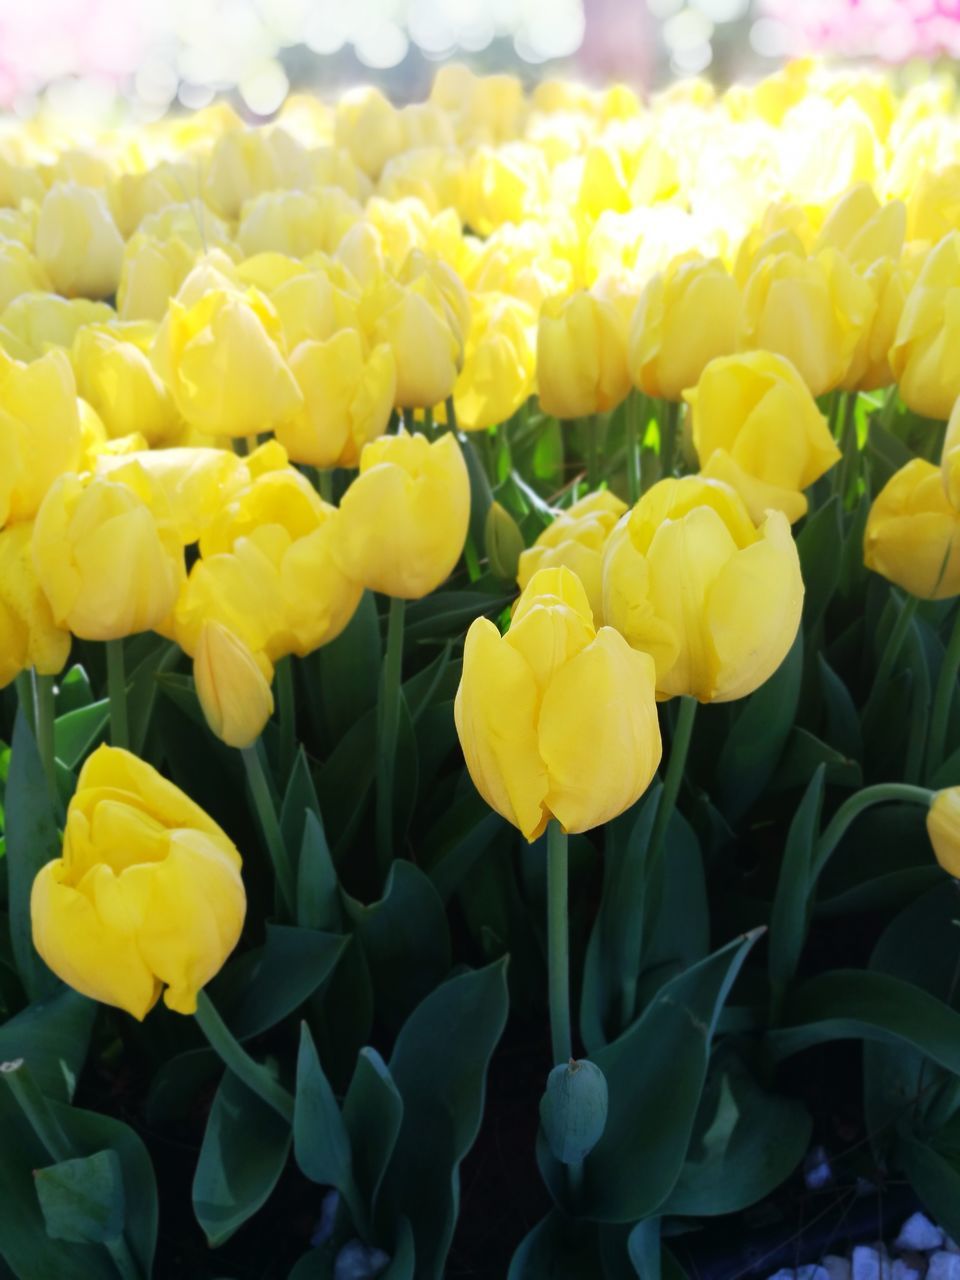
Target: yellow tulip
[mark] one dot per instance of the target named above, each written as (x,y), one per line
(37,321)
(118,380)
(576,539)
(29,637)
(295,222)
(403,520)
(244,162)
(683,320)
(811,310)
(313,305)
(581,356)
(890,281)
(499,366)
(147,895)
(933,203)
(757,427)
(950,458)
(922,356)
(233,685)
(862,229)
(912,536)
(348,397)
(39,431)
(369,127)
(222,363)
(135,196)
(20,272)
(78,243)
(943,828)
(689,578)
(426,349)
(107,565)
(556,719)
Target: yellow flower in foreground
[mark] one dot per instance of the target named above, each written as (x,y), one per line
(757,427)
(913,533)
(943,828)
(78,243)
(147,893)
(689,578)
(233,685)
(581,356)
(116,377)
(923,356)
(556,719)
(412,322)
(403,521)
(499,366)
(576,539)
(950,458)
(29,637)
(107,565)
(39,431)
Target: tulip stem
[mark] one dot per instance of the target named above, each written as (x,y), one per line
(669,420)
(287,709)
(117,691)
(679,748)
(270,827)
(890,653)
(37,1110)
(558,944)
(236,1059)
(633,453)
(847,441)
(325,484)
(850,810)
(593,451)
(388,727)
(43,689)
(943,698)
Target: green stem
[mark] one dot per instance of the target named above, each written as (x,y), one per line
(850,810)
(558,944)
(633,450)
(451,415)
(325,484)
(847,440)
(428,423)
(669,421)
(117,691)
(890,653)
(27,697)
(270,826)
(286,706)
(943,698)
(37,1110)
(679,749)
(388,718)
(236,1059)
(241,446)
(46,714)
(593,452)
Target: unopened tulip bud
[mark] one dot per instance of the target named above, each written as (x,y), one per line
(573,1110)
(503,542)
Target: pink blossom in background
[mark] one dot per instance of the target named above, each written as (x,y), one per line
(893,30)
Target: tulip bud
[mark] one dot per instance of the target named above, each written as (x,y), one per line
(503,542)
(78,242)
(573,1110)
(943,828)
(233,685)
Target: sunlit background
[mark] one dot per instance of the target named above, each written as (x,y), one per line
(145,57)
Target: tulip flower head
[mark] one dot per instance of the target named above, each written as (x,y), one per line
(912,536)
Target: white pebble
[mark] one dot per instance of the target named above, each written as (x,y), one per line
(944,1266)
(836,1268)
(908,1270)
(918,1234)
(870,1263)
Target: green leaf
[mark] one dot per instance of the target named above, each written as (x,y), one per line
(843,722)
(299,801)
(803,755)
(73,690)
(51,1036)
(936,1179)
(244,1151)
(461,836)
(32,841)
(405,938)
(372,1113)
(439,1065)
(75,733)
(557,1248)
(654,1096)
(345,672)
(293,964)
(817,545)
(796,886)
(82,1200)
(851,1004)
(142,689)
(321,1142)
(746,1142)
(753,747)
(318,896)
(481,495)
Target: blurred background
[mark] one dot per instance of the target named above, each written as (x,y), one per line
(142,58)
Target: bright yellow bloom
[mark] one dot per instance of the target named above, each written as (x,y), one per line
(950,458)
(683,320)
(403,521)
(348,397)
(39,431)
(811,310)
(576,539)
(295,222)
(499,366)
(757,427)
(233,685)
(943,828)
(78,243)
(933,203)
(222,363)
(425,346)
(244,162)
(556,719)
(20,272)
(147,894)
(37,321)
(923,356)
(581,356)
(862,229)
(106,563)
(29,637)
(890,281)
(369,127)
(913,533)
(116,377)
(689,578)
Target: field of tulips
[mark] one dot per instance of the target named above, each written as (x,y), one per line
(479,641)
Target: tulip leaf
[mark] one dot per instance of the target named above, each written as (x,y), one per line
(244,1151)
(73,690)
(754,745)
(439,1065)
(343,675)
(450,613)
(462,834)
(654,1096)
(318,896)
(935,1176)
(559,1247)
(82,1200)
(174,1087)
(51,1036)
(745,1143)
(320,1138)
(796,886)
(405,938)
(293,964)
(372,1113)
(842,721)
(75,733)
(299,800)
(481,495)
(31,842)
(803,754)
(143,686)
(817,544)
(853,1004)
